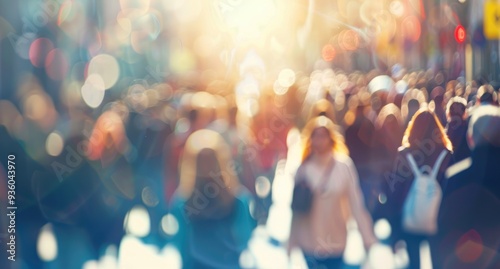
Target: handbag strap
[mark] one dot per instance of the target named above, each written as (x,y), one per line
(327,172)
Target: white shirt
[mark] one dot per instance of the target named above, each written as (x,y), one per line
(323,230)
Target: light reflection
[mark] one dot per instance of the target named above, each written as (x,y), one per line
(262,186)
(382,229)
(54,144)
(47,244)
(106,66)
(35,106)
(170,225)
(137,222)
(92,91)
(39,50)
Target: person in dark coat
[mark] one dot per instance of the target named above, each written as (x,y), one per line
(456,128)
(469,220)
(425,140)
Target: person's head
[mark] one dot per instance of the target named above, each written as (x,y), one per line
(412,101)
(437,95)
(321,136)
(484,127)
(322,107)
(389,119)
(208,180)
(425,126)
(456,108)
(486,95)
(203,110)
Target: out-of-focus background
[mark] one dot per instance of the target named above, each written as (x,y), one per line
(98,99)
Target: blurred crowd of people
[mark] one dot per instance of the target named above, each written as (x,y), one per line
(203,158)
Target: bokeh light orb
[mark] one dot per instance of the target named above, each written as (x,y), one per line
(54,144)
(56,64)
(107,67)
(47,244)
(39,50)
(93,91)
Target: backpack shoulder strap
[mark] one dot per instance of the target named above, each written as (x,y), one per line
(413,164)
(437,165)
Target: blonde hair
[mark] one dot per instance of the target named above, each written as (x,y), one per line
(423,125)
(338,145)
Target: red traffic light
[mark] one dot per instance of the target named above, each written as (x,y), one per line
(460,34)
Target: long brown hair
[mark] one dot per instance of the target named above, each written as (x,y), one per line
(206,169)
(338,145)
(425,125)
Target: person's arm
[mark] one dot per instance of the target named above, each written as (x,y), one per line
(357,205)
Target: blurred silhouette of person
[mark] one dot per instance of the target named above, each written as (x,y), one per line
(210,205)
(197,112)
(456,129)
(425,139)
(413,100)
(359,134)
(486,95)
(332,176)
(388,133)
(269,129)
(437,95)
(469,220)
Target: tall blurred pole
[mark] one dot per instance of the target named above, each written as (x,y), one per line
(468,62)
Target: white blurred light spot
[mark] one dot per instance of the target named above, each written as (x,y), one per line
(47,244)
(425,255)
(382,229)
(54,144)
(110,259)
(107,67)
(248,106)
(93,91)
(247,260)
(171,257)
(286,78)
(279,222)
(262,186)
(169,224)
(182,126)
(137,222)
(92,264)
(397,8)
(382,198)
(381,257)
(279,89)
(354,251)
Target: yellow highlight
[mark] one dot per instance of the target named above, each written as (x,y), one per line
(492,20)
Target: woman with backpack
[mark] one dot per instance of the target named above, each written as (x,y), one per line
(326,187)
(416,182)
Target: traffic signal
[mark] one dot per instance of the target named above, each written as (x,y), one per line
(460,34)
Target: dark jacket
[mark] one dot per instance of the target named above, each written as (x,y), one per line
(470,212)
(457,133)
